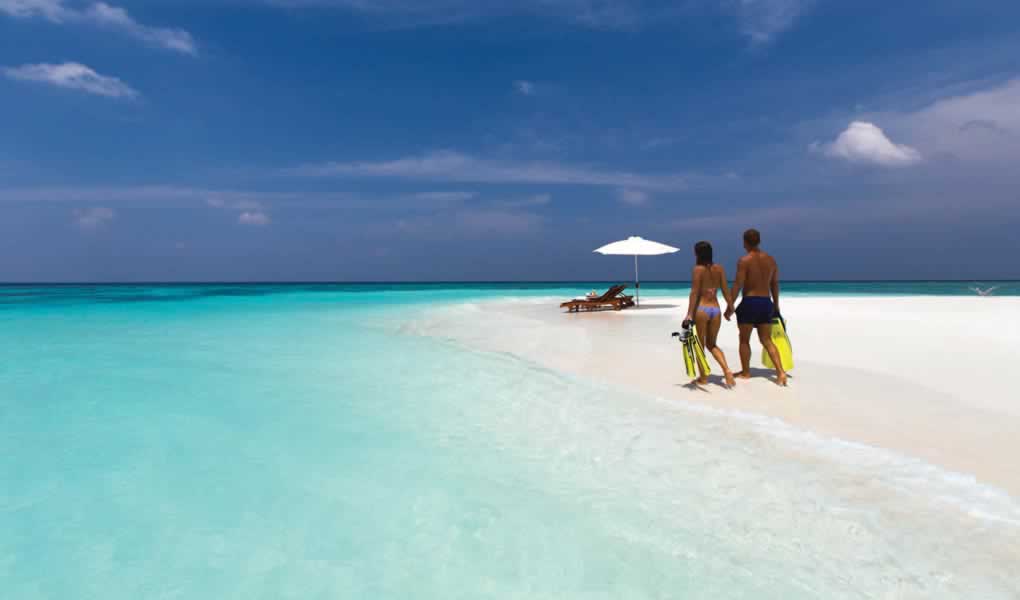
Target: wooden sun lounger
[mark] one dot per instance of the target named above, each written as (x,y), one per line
(611,299)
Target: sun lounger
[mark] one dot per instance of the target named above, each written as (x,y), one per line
(613,299)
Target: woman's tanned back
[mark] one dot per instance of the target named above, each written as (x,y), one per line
(711,280)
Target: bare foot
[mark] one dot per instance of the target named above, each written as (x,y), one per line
(781,379)
(742,375)
(701,380)
(730,381)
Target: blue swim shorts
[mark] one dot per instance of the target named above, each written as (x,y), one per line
(755,310)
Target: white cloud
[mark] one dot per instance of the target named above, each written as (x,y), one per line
(165,195)
(498,222)
(981,126)
(864,142)
(536,200)
(763,20)
(760,20)
(525,88)
(457,167)
(251,210)
(938,204)
(52,10)
(93,218)
(471,222)
(445,197)
(761,218)
(962,131)
(73,76)
(114,17)
(632,197)
(103,15)
(253,218)
(232,200)
(595,14)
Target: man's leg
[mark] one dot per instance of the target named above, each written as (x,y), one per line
(745,350)
(765,337)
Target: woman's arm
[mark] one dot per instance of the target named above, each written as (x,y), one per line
(695,299)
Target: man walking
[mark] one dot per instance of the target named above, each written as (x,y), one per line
(758,278)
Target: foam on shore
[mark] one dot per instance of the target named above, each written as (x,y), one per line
(925,378)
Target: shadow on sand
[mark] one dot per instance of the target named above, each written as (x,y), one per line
(767,373)
(720,381)
(713,380)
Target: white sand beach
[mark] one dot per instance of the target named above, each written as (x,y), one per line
(927,377)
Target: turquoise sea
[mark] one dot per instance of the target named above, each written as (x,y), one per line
(300,441)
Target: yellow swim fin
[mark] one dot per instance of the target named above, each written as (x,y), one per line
(687,348)
(782,342)
(699,351)
(694,355)
(689,364)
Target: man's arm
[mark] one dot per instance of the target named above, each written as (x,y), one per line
(774,286)
(725,288)
(738,285)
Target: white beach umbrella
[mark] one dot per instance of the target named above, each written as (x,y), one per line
(636,246)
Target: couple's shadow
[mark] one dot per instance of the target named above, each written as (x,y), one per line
(720,381)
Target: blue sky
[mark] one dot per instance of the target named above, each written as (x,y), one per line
(483,140)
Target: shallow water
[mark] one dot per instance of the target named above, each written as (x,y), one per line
(296,442)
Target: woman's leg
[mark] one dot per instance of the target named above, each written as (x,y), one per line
(711,335)
(701,321)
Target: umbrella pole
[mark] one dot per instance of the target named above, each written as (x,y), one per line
(637,281)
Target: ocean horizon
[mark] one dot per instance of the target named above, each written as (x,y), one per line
(922,287)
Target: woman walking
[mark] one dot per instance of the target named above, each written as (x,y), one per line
(703,309)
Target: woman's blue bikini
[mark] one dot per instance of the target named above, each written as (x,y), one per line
(711,311)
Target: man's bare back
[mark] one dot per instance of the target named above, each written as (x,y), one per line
(759,273)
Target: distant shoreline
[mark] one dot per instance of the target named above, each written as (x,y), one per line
(112,291)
